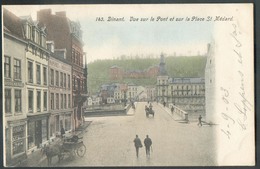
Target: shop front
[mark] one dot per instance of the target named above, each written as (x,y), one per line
(15,142)
(59,120)
(37,131)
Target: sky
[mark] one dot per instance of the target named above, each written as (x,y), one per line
(108,40)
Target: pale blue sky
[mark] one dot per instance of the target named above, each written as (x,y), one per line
(112,39)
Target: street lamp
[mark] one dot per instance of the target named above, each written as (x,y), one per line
(163,90)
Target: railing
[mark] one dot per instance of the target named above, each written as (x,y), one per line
(180,112)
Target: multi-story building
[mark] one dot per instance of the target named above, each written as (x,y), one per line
(26,98)
(186,93)
(162,82)
(36,73)
(14,90)
(67,34)
(151,93)
(131,92)
(60,93)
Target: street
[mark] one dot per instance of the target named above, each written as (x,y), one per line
(109,141)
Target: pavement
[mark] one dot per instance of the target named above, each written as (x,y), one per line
(38,159)
(109,141)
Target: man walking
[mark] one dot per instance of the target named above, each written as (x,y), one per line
(200,122)
(138,144)
(147,143)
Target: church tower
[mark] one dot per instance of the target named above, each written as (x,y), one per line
(162,81)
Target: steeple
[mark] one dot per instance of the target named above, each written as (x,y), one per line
(162,69)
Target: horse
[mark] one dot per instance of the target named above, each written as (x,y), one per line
(149,111)
(52,151)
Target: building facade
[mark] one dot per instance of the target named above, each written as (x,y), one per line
(26,91)
(69,37)
(14,90)
(60,95)
(162,82)
(36,72)
(188,94)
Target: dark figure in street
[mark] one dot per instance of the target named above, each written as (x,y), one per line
(164,104)
(200,121)
(172,109)
(147,143)
(138,144)
(62,132)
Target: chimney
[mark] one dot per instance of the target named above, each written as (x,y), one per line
(62,14)
(44,13)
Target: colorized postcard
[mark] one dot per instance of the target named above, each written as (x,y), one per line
(128,85)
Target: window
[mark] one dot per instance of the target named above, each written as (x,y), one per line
(45,101)
(18,101)
(64,84)
(38,74)
(30,101)
(8,99)
(52,77)
(57,78)
(17,69)
(74,83)
(73,55)
(44,75)
(57,101)
(18,139)
(69,81)
(7,67)
(38,101)
(52,101)
(61,79)
(69,102)
(65,101)
(30,72)
(57,118)
(61,97)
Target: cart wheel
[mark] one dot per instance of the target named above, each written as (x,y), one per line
(81,150)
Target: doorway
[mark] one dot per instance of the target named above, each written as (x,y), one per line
(38,133)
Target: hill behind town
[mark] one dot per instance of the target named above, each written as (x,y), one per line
(98,71)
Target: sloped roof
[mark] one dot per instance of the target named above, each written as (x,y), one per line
(12,23)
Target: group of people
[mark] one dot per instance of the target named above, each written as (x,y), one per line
(138,144)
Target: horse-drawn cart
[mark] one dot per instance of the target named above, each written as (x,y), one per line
(71,146)
(149,110)
(74,146)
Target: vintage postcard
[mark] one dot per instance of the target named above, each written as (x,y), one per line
(128,85)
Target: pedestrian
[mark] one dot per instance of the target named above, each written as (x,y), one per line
(147,144)
(172,109)
(164,104)
(138,144)
(62,132)
(200,122)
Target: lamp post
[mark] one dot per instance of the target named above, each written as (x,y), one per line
(172,96)
(163,90)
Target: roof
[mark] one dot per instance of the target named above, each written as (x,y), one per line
(187,80)
(12,23)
